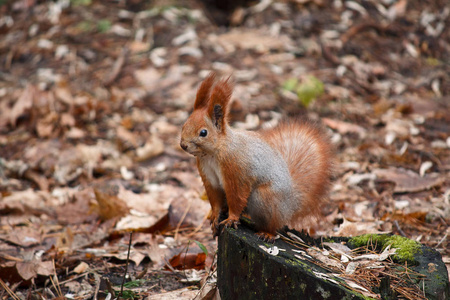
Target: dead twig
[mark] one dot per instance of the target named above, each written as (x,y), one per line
(74,278)
(182,219)
(126,267)
(117,67)
(55,286)
(399,229)
(8,290)
(97,285)
(443,239)
(210,274)
(55,282)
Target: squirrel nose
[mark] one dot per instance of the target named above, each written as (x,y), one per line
(183,145)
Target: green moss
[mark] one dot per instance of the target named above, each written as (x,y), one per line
(329,240)
(406,248)
(307,90)
(104,25)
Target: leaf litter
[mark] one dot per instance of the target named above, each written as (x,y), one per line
(360,269)
(92,102)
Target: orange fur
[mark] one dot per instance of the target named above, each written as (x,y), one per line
(307,150)
(220,97)
(203,92)
(279,176)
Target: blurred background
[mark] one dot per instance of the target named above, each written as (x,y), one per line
(93,95)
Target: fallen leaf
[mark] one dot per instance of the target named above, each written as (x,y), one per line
(24,103)
(407,181)
(29,269)
(81,268)
(137,220)
(376,256)
(424,167)
(258,40)
(109,205)
(64,95)
(317,254)
(149,78)
(67,120)
(135,256)
(46,126)
(127,137)
(344,127)
(152,148)
(188,210)
(338,248)
(348,228)
(23,236)
(185,261)
(184,293)
(37,178)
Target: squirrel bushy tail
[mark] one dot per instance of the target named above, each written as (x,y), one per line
(308,153)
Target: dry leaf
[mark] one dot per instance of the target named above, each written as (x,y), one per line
(29,269)
(190,210)
(348,228)
(152,148)
(184,293)
(135,256)
(257,40)
(317,254)
(81,268)
(185,261)
(344,127)
(407,181)
(109,205)
(24,236)
(24,103)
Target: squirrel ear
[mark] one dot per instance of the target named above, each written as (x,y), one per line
(203,91)
(218,106)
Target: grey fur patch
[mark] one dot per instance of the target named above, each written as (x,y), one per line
(268,167)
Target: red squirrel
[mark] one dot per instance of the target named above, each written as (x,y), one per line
(276,176)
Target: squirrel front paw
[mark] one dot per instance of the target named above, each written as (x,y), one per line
(216,221)
(229,222)
(215,227)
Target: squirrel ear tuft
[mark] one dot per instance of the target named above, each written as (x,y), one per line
(204,91)
(218,106)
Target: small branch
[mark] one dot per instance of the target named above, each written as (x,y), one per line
(97,285)
(117,67)
(209,276)
(182,219)
(8,290)
(399,229)
(440,242)
(126,267)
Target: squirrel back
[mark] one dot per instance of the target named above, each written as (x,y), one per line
(277,176)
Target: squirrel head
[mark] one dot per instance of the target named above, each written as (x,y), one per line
(207,125)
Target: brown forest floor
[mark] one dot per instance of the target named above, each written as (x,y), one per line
(93,95)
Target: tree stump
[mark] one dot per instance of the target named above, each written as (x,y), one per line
(246,271)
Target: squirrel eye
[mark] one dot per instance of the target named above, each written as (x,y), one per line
(203,132)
